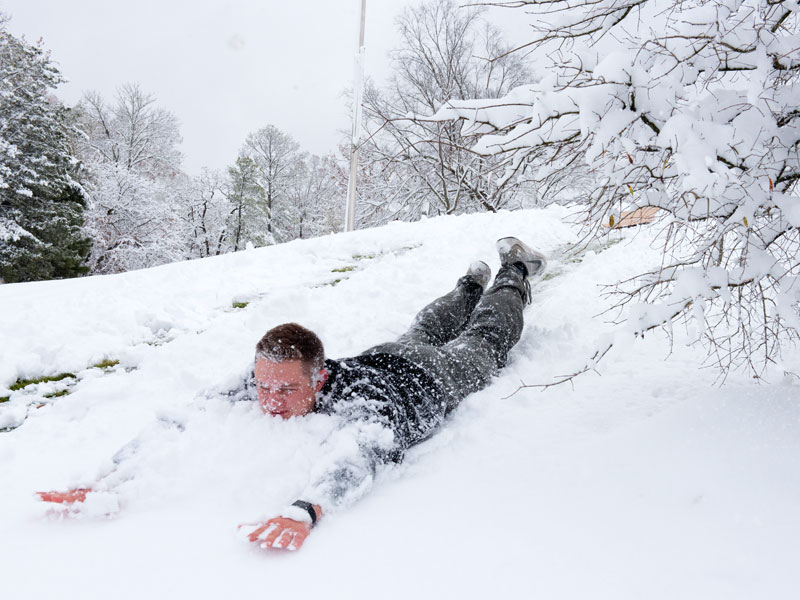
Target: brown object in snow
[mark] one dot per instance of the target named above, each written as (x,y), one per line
(640,216)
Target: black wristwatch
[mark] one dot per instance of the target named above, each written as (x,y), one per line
(309,508)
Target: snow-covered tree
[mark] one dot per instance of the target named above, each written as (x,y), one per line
(41,205)
(208,212)
(130,151)
(248,219)
(381,196)
(277,160)
(692,107)
(446,52)
(316,198)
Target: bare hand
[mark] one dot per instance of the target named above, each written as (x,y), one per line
(281,533)
(76,495)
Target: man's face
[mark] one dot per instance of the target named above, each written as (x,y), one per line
(285,388)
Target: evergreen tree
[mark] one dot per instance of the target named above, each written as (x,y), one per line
(41,206)
(248,220)
(278,161)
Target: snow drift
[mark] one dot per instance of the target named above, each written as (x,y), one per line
(647,481)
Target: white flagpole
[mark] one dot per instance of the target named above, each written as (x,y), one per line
(358,90)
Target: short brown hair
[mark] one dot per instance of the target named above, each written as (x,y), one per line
(291,341)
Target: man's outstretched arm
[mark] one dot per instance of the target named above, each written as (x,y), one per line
(337,483)
(352,455)
(117,473)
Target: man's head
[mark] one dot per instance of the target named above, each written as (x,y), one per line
(289,370)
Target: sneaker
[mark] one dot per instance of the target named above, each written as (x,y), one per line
(480,273)
(512,251)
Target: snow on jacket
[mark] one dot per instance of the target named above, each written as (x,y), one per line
(386,405)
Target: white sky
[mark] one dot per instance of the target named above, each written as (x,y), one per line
(225,68)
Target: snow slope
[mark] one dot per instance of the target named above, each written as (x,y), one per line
(646,482)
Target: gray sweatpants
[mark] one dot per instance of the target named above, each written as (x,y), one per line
(464,337)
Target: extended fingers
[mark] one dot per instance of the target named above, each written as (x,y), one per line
(275,534)
(287,534)
(288,539)
(280,533)
(76,495)
(297,541)
(284,538)
(263,531)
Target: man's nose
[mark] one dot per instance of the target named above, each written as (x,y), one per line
(272,398)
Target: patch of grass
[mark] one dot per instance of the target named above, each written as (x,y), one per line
(240,304)
(21,383)
(346,269)
(330,283)
(364,256)
(106,364)
(57,394)
(4,399)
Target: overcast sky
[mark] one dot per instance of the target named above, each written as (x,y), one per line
(225,68)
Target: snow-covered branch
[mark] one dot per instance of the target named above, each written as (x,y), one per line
(690,107)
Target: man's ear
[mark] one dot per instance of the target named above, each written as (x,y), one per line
(321,379)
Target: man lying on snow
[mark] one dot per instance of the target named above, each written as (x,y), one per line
(393,395)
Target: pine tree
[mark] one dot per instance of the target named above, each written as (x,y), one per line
(247,221)
(278,161)
(41,205)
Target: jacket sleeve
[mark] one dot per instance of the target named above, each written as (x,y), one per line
(352,453)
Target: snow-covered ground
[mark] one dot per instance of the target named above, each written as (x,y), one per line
(646,482)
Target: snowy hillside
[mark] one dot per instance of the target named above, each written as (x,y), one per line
(646,482)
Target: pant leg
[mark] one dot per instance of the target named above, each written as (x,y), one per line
(467,363)
(496,323)
(444,318)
